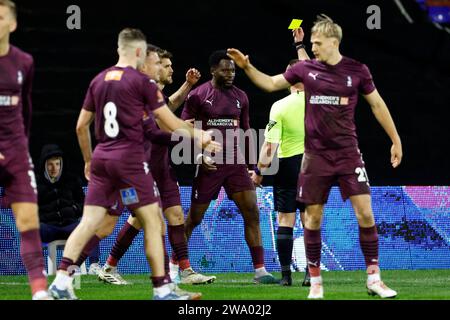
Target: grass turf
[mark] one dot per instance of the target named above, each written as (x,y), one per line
(346,285)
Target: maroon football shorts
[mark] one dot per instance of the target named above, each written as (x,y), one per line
(130,182)
(320,171)
(233,177)
(166,181)
(17,176)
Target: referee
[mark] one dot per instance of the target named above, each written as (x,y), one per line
(286,132)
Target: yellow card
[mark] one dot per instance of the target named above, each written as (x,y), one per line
(295,24)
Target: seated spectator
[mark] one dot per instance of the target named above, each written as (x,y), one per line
(60,200)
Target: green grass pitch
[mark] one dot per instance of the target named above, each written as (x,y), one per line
(341,285)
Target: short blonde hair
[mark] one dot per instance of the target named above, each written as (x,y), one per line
(326,26)
(11,5)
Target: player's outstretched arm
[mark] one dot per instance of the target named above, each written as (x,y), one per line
(84,138)
(172,122)
(262,80)
(177,99)
(382,114)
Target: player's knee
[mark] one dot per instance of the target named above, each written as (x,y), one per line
(252,211)
(175,217)
(251,217)
(105,231)
(313,220)
(364,216)
(25,222)
(193,219)
(286,220)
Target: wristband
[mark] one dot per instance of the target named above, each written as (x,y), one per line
(258,172)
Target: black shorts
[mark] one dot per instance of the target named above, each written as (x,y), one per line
(285,185)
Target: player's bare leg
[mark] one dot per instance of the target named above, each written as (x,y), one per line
(247,204)
(27,222)
(61,287)
(368,239)
(194,218)
(313,247)
(180,256)
(150,218)
(152,223)
(163,289)
(105,230)
(127,233)
(285,242)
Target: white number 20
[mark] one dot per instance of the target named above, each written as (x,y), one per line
(111,124)
(362,174)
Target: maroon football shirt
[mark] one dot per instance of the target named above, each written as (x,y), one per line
(16,77)
(122,98)
(225,110)
(331,97)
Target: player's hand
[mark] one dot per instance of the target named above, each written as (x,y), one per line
(190,122)
(208,163)
(298,34)
(239,58)
(87,170)
(396,155)
(192,76)
(257,180)
(208,143)
(2,157)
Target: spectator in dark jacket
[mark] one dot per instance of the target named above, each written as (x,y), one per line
(60,199)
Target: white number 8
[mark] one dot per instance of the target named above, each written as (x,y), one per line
(111,124)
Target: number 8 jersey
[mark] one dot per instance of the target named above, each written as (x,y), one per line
(121,99)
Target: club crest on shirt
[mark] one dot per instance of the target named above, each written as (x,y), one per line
(19,77)
(238,104)
(349,81)
(271,124)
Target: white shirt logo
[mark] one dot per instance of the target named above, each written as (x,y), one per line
(19,77)
(312,75)
(146,169)
(238,104)
(349,81)
(209,101)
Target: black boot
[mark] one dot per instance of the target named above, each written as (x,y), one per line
(286,281)
(307,280)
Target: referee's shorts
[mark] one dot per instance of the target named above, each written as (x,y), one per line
(285,185)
